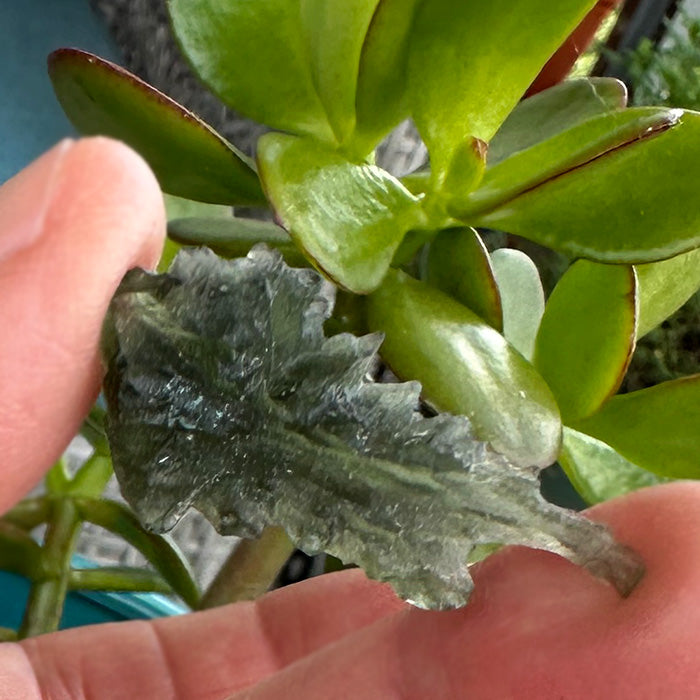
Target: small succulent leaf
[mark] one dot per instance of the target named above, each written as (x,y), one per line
(464,76)
(458,264)
(664,287)
(466,367)
(587,336)
(463,174)
(348,218)
(630,205)
(335,33)
(552,111)
(255,57)
(567,151)
(240,407)
(158,550)
(381,84)
(597,472)
(522,298)
(57,479)
(654,428)
(234,237)
(189,158)
(92,477)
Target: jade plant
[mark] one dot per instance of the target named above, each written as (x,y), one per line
(235,386)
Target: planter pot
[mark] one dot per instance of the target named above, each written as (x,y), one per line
(85,607)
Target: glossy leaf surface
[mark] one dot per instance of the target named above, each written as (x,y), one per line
(587,335)
(188,157)
(664,287)
(335,33)
(522,298)
(234,237)
(240,407)
(254,55)
(381,83)
(470,63)
(627,206)
(555,110)
(458,264)
(466,367)
(597,472)
(553,158)
(348,218)
(655,428)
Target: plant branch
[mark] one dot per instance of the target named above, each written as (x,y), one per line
(118,578)
(250,569)
(46,598)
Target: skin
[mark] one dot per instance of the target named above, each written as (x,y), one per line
(537,627)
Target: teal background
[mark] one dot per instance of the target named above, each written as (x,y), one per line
(30,119)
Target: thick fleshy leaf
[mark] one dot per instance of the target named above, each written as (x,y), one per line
(234,237)
(458,264)
(255,57)
(597,472)
(466,367)
(188,157)
(470,63)
(224,394)
(655,428)
(664,287)
(555,110)
(381,83)
(534,167)
(348,218)
(335,33)
(634,204)
(522,298)
(587,335)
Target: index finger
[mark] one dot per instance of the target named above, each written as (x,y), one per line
(73,223)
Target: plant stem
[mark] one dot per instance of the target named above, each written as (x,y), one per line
(118,578)
(46,598)
(250,569)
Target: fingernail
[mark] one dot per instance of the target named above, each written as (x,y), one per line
(26,198)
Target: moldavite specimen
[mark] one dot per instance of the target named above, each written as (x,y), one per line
(225,395)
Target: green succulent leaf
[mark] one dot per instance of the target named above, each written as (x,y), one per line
(381,84)
(522,298)
(241,408)
(552,111)
(458,264)
(535,167)
(597,472)
(255,56)
(587,336)
(348,218)
(629,205)
(466,367)
(188,157)
(335,34)
(664,287)
(469,64)
(654,428)
(158,550)
(234,237)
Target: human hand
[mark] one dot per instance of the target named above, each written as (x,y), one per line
(537,627)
